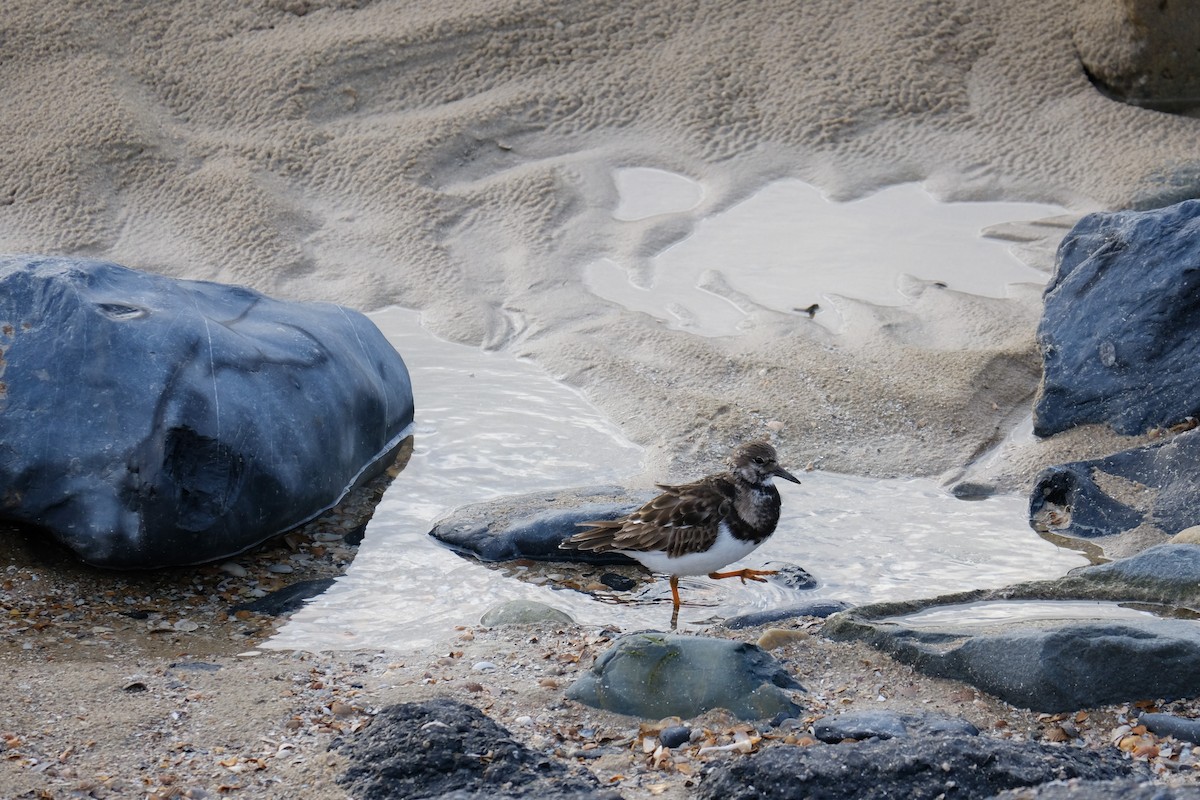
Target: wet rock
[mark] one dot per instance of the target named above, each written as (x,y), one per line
(618,583)
(523,612)
(916,768)
(1050,669)
(146,421)
(286,600)
(1157,486)
(792,576)
(888,725)
(653,675)
(532,526)
(812,608)
(1182,728)
(446,749)
(675,736)
(1120,322)
(1167,572)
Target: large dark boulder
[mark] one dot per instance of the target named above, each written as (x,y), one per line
(1157,485)
(146,421)
(1121,328)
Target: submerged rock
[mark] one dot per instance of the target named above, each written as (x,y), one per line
(443,748)
(812,608)
(917,768)
(888,725)
(1120,323)
(523,612)
(146,421)
(653,675)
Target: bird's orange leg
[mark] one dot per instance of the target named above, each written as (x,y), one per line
(675,598)
(744,574)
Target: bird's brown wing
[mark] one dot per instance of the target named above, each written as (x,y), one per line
(683,519)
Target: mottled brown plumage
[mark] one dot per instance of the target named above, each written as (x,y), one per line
(697,528)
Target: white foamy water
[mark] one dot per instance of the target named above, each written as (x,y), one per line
(788,246)
(491,425)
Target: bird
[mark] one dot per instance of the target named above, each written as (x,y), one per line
(697,528)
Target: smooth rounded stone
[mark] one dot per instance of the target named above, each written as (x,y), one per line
(235,569)
(287,599)
(655,675)
(618,583)
(1182,728)
(675,736)
(1119,326)
(523,612)
(281,569)
(435,749)
(149,422)
(967,490)
(812,608)
(1050,669)
(1156,486)
(918,767)
(888,725)
(534,525)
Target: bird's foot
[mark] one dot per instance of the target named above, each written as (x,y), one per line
(745,574)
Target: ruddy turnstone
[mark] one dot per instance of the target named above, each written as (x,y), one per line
(697,528)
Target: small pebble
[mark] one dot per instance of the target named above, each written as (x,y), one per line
(233,568)
(186,626)
(280,569)
(675,736)
(484,666)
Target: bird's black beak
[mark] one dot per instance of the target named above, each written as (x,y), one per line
(787,476)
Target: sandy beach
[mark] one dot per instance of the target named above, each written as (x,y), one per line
(458,159)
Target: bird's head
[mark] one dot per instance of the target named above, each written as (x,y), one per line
(756,463)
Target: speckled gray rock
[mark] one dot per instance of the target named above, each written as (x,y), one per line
(533,525)
(918,768)
(146,421)
(1170,570)
(523,612)
(1050,669)
(1182,728)
(1102,790)
(888,725)
(1120,323)
(654,675)
(813,608)
(436,749)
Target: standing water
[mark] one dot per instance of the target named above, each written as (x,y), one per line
(490,425)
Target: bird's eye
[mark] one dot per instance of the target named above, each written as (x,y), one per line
(759,460)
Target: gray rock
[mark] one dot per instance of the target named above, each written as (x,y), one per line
(1049,669)
(653,675)
(1170,571)
(1156,485)
(675,736)
(1182,728)
(920,768)
(523,612)
(1118,331)
(436,749)
(1102,790)
(146,421)
(532,526)
(888,725)
(813,608)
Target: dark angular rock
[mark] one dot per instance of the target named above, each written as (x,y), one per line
(888,725)
(654,675)
(618,583)
(1158,484)
(146,421)
(532,526)
(287,599)
(920,768)
(813,608)
(1122,315)
(446,749)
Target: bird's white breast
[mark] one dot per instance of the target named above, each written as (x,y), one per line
(726,550)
